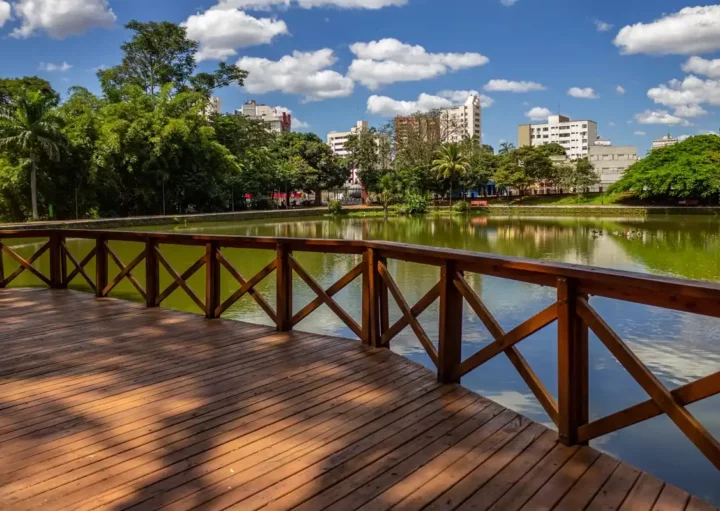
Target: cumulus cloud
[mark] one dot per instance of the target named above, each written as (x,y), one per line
(459,96)
(602,26)
(582,93)
(61,18)
(538,113)
(303,73)
(690,111)
(639,133)
(660,117)
(308,4)
(692,30)
(389,107)
(683,138)
(620,89)
(388,61)
(297,124)
(686,96)
(701,66)
(50,67)
(5,13)
(512,86)
(221,32)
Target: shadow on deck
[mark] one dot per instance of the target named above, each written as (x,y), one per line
(106,404)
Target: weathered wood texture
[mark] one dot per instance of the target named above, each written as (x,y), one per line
(106,404)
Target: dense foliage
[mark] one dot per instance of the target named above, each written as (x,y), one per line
(690,169)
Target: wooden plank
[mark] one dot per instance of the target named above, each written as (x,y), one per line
(682,418)
(589,484)
(696,504)
(25,265)
(644,494)
(671,499)
(616,489)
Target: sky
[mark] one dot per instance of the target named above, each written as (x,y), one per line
(640,69)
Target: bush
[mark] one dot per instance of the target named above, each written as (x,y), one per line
(414,204)
(335,207)
(264,203)
(461,207)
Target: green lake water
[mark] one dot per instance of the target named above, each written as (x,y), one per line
(677,347)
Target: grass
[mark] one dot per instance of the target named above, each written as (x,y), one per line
(593,199)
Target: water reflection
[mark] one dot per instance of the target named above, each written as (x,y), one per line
(677,347)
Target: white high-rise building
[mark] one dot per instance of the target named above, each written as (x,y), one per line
(576,137)
(277,121)
(610,163)
(462,121)
(337,139)
(214,107)
(664,142)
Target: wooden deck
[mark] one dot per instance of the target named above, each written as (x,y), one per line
(107,404)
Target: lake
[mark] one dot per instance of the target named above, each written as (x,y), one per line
(677,347)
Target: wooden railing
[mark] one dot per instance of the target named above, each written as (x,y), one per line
(572,310)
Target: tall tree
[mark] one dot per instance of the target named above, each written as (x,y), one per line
(16,87)
(160,53)
(450,164)
(579,176)
(506,148)
(30,126)
(482,164)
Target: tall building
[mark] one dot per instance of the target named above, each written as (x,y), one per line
(453,124)
(279,122)
(576,137)
(337,139)
(664,142)
(214,107)
(611,162)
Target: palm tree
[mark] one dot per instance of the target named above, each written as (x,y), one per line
(450,163)
(506,148)
(30,127)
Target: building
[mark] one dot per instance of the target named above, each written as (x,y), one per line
(337,139)
(610,163)
(576,137)
(277,121)
(664,142)
(463,121)
(214,107)
(603,142)
(453,124)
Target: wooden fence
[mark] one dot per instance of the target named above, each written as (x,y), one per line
(575,315)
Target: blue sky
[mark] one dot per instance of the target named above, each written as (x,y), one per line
(333,62)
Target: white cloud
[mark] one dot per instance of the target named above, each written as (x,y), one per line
(639,133)
(297,124)
(620,89)
(690,111)
(602,26)
(61,18)
(459,96)
(538,114)
(582,93)
(301,73)
(701,66)
(221,32)
(508,3)
(660,117)
(389,107)
(388,61)
(683,138)
(690,30)
(4,12)
(512,86)
(50,67)
(611,123)
(308,4)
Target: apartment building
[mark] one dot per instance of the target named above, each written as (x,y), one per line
(279,122)
(575,136)
(664,142)
(611,162)
(214,107)
(337,139)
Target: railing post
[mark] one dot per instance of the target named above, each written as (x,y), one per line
(212,280)
(573,360)
(101,267)
(57,263)
(2,267)
(450,339)
(152,273)
(284,289)
(373,287)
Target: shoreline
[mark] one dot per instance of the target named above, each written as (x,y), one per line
(365,211)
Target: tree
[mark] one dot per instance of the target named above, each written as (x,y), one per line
(510,174)
(506,148)
(450,164)
(30,126)
(690,169)
(389,191)
(553,149)
(535,164)
(160,53)
(363,155)
(16,87)
(578,176)
(482,165)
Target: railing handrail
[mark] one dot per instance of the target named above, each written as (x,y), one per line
(673,293)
